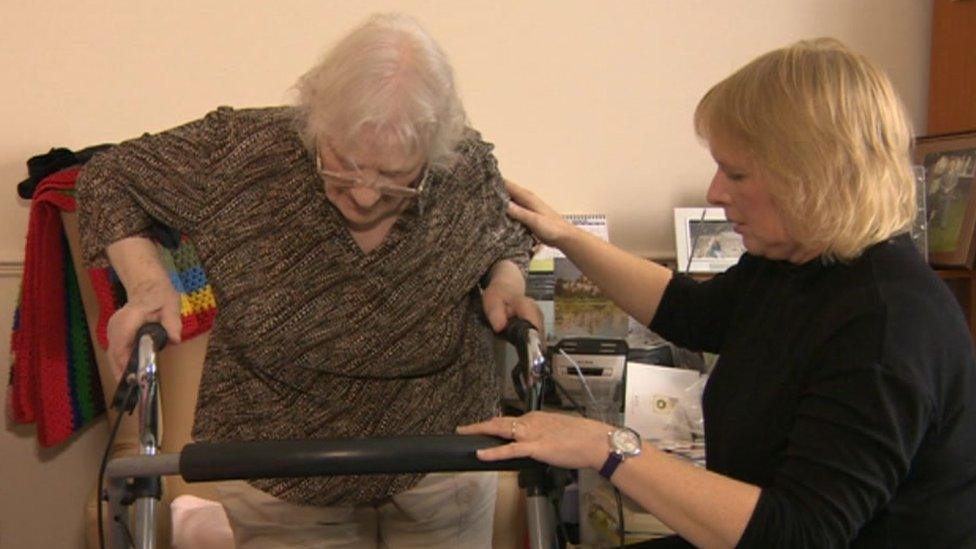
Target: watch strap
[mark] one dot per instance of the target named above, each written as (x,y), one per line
(610,465)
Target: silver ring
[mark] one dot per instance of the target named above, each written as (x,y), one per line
(515,424)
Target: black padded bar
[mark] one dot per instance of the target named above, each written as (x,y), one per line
(205,461)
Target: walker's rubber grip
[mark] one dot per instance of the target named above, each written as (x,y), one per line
(517,332)
(205,461)
(154,330)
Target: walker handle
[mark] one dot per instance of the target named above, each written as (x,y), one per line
(206,461)
(159,338)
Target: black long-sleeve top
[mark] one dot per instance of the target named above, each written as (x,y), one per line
(846,392)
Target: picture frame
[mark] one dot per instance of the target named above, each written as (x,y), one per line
(705,240)
(949,163)
(919,233)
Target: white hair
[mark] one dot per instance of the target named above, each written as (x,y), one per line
(388,80)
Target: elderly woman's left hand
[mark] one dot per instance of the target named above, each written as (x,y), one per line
(503,301)
(557,439)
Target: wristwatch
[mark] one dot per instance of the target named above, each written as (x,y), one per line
(624,443)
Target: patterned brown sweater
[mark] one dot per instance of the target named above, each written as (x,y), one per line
(314,338)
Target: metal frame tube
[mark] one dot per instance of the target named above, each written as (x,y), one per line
(145,512)
(143,466)
(142,524)
(149,439)
(540,520)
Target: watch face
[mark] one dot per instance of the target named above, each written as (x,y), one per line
(626,441)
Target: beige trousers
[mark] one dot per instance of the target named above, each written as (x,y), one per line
(443,510)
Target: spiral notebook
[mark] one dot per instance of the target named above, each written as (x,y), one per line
(595,224)
(579,308)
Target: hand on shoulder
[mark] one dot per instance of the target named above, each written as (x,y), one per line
(530,210)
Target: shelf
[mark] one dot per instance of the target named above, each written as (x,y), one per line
(951,274)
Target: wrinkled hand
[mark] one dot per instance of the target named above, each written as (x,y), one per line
(502,302)
(528,209)
(153,302)
(557,439)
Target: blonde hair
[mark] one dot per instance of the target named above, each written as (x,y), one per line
(388,79)
(828,129)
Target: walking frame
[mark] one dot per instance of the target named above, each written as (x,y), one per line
(133,485)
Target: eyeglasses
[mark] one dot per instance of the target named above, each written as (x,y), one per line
(380,183)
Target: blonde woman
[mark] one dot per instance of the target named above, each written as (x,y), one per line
(841,411)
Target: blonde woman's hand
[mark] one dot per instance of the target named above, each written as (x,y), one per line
(528,209)
(557,439)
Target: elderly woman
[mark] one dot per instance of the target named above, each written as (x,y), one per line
(355,243)
(840,411)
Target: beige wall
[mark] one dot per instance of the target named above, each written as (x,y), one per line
(589,102)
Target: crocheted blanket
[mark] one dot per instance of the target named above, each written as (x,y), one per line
(54,379)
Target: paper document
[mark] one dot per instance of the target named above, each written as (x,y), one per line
(655,399)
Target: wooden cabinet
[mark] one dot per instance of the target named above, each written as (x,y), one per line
(962,283)
(952,72)
(952,106)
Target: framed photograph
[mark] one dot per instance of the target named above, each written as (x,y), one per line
(705,240)
(950,197)
(920,231)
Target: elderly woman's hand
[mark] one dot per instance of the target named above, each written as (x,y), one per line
(503,302)
(504,298)
(528,209)
(150,302)
(557,439)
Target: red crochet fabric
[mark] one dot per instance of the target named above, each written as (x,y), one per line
(197,305)
(41,378)
(54,379)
